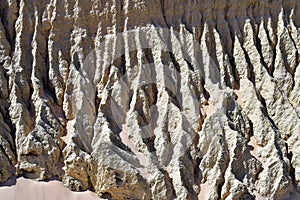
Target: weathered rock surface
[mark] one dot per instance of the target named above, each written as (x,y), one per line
(152,99)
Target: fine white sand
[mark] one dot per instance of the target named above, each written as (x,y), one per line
(208,109)
(205,188)
(142,158)
(253,143)
(26,189)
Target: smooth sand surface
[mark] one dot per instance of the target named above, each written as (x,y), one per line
(253,143)
(239,98)
(208,109)
(26,189)
(142,158)
(205,188)
(69,132)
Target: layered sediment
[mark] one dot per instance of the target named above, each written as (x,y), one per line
(152,99)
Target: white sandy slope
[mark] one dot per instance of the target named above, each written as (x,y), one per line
(26,189)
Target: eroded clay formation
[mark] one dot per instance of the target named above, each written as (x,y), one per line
(141,99)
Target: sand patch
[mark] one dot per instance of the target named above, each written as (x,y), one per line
(142,158)
(26,189)
(204,193)
(253,143)
(239,99)
(258,196)
(66,138)
(209,109)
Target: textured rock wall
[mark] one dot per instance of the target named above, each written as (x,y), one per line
(217,117)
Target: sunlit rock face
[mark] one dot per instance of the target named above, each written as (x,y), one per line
(152,99)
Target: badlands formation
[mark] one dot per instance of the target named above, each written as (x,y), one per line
(151,99)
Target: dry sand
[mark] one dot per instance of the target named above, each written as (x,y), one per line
(26,189)
(204,193)
(143,160)
(69,132)
(208,109)
(253,143)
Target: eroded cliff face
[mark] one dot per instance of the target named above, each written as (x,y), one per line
(152,99)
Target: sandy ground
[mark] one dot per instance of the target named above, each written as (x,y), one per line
(253,143)
(143,160)
(239,98)
(26,189)
(208,109)
(205,188)
(69,131)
